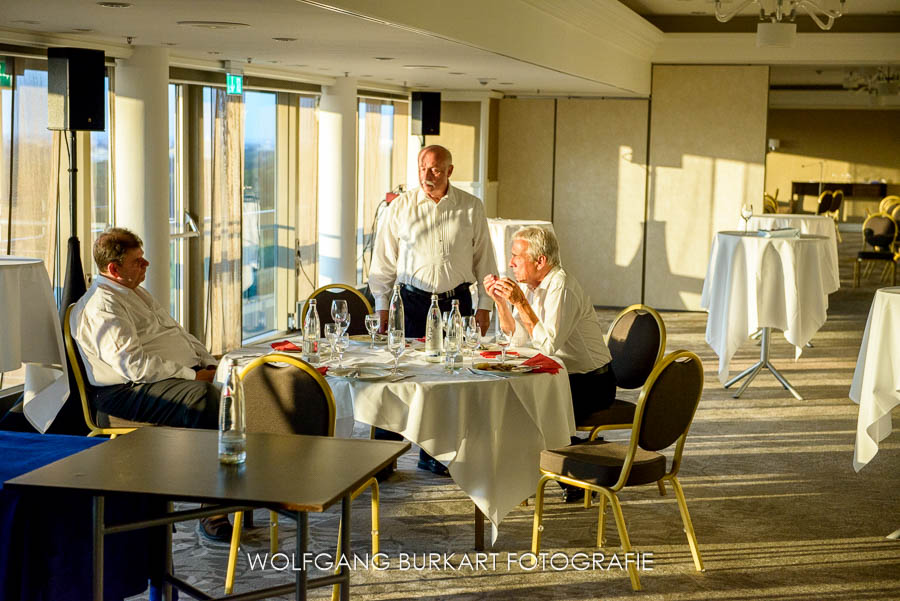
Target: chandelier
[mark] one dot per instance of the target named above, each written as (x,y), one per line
(881,81)
(777,26)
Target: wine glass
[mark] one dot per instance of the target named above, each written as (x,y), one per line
(372,324)
(746,214)
(340,314)
(396,345)
(473,334)
(504,337)
(332,333)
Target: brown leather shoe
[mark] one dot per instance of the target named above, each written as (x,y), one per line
(216,529)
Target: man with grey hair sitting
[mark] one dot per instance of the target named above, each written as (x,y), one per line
(140,363)
(548,310)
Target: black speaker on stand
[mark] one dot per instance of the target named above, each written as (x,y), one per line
(75,94)
(75,103)
(426,114)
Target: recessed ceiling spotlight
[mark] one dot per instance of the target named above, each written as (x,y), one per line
(506,83)
(114,4)
(214,52)
(274,62)
(213,24)
(26,22)
(285,39)
(83,29)
(455,73)
(425,66)
(384,58)
(169,44)
(296,65)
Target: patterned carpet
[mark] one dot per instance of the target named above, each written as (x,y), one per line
(778,510)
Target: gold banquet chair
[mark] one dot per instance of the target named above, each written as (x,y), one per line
(98,423)
(770,205)
(357,304)
(637,341)
(288,395)
(880,232)
(663,417)
(887,204)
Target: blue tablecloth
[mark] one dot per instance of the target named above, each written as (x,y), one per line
(45,539)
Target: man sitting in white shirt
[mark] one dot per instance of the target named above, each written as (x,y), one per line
(551,313)
(140,363)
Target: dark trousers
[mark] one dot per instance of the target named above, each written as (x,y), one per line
(592,391)
(172,402)
(416,305)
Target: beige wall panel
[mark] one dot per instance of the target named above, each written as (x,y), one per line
(600,184)
(525,159)
(707,154)
(460,132)
(839,145)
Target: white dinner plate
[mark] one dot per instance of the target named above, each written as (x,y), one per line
(360,372)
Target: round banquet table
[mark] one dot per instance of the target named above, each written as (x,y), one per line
(30,333)
(502,231)
(489,431)
(816,225)
(755,282)
(876,381)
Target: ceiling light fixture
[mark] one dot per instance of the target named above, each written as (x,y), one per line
(777,26)
(114,4)
(285,39)
(213,24)
(425,67)
(383,58)
(881,81)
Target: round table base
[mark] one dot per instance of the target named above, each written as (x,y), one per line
(752,371)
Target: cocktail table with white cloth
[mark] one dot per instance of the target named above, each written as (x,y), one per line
(502,231)
(816,225)
(489,430)
(755,282)
(30,333)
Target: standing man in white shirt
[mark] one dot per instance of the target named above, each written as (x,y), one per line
(550,311)
(435,240)
(142,365)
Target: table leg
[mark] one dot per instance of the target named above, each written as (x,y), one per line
(302,544)
(97,550)
(752,371)
(345,547)
(479,529)
(169,592)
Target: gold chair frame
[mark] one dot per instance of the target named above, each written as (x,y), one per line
(887,202)
(770,205)
(273,516)
(595,430)
(609,494)
(322,289)
(75,366)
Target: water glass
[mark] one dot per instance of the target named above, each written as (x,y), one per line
(473,334)
(340,314)
(372,324)
(503,340)
(396,345)
(332,333)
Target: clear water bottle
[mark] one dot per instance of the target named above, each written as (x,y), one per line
(455,332)
(396,319)
(311,333)
(232,418)
(434,332)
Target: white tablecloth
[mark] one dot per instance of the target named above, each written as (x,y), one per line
(817,225)
(753,282)
(489,432)
(502,231)
(876,381)
(30,333)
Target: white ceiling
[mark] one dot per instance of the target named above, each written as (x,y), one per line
(598,35)
(707,7)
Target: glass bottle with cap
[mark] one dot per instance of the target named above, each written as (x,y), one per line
(232,418)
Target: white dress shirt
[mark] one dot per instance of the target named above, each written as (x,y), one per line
(567,327)
(124,335)
(432,246)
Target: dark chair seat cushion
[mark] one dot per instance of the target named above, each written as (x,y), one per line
(105,420)
(600,463)
(620,412)
(874,255)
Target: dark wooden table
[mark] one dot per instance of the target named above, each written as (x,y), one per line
(291,474)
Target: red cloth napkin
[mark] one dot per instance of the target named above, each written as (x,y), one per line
(420,339)
(323,370)
(543,364)
(286,345)
(493,354)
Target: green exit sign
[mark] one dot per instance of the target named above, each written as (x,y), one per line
(234,84)
(5,78)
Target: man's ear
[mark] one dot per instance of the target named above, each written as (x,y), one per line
(112,269)
(450,171)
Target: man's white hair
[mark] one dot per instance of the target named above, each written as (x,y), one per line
(541,242)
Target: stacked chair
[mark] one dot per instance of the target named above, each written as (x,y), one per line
(662,418)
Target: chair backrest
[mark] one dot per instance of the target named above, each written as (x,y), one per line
(770,205)
(880,231)
(837,198)
(669,400)
(887,203)
(824,202)
(357,304)
(76,367)
(286,395)
(895,213)
(636,341)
